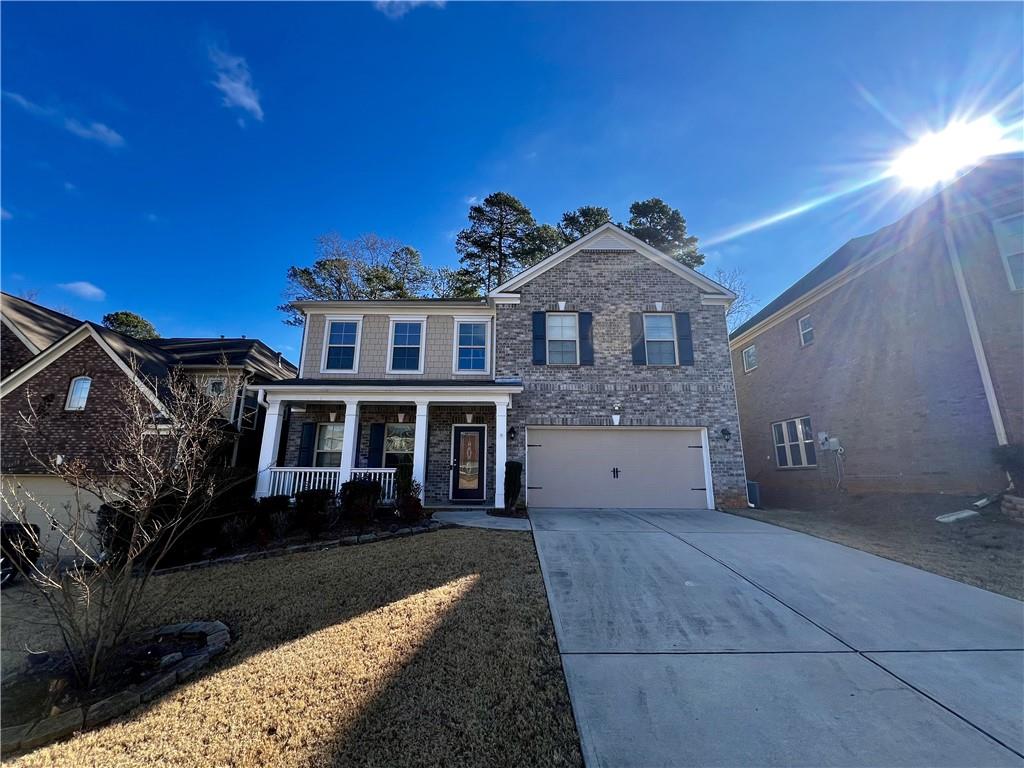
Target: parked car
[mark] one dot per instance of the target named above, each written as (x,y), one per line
(19,549)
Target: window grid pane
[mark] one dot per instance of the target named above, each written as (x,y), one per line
(659,327)
(471,359)
(79,394)
(794,443)
(343,333)
(661,353)
(341,358)
(405,359)
(561,327)
(561,352)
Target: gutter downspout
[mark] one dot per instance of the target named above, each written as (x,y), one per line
(972,328)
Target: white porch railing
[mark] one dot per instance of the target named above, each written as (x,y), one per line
(287,481)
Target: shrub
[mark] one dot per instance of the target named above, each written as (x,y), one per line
(403,480)
(1010,458)
(311,509)
(280,523)
(233,530)
(272,504)
(359,499)
(513,484)
(409,506)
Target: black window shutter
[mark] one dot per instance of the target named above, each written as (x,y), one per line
(586,338)
(636,336)
(685,336)
(307,444)
(376,457)
(540,353)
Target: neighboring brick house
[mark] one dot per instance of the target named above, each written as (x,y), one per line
(905,348)
(73,371)
(604,368)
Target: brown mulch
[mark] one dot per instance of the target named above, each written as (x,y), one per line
(428,651)
(985,551)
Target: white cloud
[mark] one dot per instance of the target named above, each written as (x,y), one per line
(5,215)
(234,81)
(84,290)
(69,187)
(152,218)
(85,129)
(396,9)
(471,200)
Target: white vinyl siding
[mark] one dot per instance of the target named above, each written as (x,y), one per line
(749,358)
(806,329)
(563,335)
(794,443)
(660,339)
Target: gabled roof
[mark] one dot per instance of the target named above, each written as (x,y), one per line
(982,187)
(247,353)
(36,325)
(609,237)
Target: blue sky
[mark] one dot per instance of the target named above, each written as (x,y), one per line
(179,157)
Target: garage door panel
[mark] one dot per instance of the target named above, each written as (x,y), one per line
(615,468)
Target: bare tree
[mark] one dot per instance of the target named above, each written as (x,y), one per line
(162,470)
(745,303)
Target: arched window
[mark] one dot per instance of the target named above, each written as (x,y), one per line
(78,393)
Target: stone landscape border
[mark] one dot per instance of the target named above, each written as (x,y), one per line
(174,668)
(311,546)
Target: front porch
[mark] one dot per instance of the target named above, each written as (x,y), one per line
(322,436)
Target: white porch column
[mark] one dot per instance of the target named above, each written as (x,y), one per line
(349,449)
(268,446)
(500,451)
(419,448)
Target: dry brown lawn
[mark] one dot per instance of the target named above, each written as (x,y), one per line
(435,650)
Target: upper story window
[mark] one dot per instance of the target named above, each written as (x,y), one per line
(806,329)
(471,342)
(749,358)
(794,443)
(1010,239)
(406,352)
(660,338)
(78,394)
(563,335)
(341,345)
(329,438)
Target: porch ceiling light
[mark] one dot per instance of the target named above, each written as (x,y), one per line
(333,415)
(401,417)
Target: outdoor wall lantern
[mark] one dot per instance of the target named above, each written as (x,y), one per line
(616,413)
(512,433)
(726,434)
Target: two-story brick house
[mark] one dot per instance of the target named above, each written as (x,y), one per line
(604,368)
(897,364)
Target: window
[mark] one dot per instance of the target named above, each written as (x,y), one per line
(398,443)
(406,340)
(470,346)
(806,330)
(215,387)
(78,393)
(341,347)
(562,338)
(329,439)
(794,443)
(749,358)
(1010,238)
(660,338)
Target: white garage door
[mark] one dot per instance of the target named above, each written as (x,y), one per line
(623,467)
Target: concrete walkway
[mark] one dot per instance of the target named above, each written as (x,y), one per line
(478,518)
(696,638)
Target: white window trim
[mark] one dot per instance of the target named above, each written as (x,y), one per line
(358,320)
(1006,256)
(800,330)
(802,442)
(392,320)
(316,442)
(486,322)
(743,358)
(548,339)
(71,391)
(674,340)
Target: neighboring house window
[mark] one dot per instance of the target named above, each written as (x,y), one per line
(806,330)
(406,346)
(471,346)
(660,338)
(398,444)
(78,394)
(794,443)
(328,445)
(342,345)
(215,387)
(1010,238)
(749,358)
(562,338)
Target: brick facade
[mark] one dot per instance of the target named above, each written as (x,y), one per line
(13,352)
(72,434)
(892,373)
(611,285)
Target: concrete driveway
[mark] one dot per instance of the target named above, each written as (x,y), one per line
(697,638)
